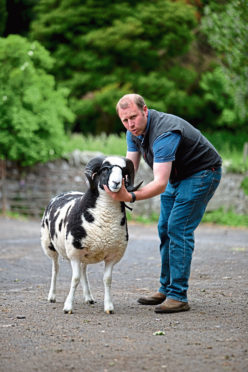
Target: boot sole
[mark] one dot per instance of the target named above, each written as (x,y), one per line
(144,301)
(173,310)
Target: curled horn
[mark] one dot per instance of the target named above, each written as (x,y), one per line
(129,172)
(92,168)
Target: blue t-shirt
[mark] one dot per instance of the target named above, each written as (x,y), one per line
(164,147)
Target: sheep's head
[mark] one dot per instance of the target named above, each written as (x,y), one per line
(110,171)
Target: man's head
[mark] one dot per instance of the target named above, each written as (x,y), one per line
(133,113)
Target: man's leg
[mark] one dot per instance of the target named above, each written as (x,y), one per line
(167,202)
(192,196)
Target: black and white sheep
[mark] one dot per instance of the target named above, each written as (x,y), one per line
(89,228)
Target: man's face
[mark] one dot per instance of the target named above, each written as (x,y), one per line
(134,119)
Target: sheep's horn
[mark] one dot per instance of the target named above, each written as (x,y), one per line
(134,188)
(129,171)
(92,168)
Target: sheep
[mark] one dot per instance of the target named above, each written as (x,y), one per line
(89,228)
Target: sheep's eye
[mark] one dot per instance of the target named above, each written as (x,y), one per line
(104,170)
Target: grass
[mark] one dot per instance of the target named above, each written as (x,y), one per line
(227,218)
(108,145)
(217,217)
(14,215)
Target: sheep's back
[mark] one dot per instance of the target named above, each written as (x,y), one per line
(56,218)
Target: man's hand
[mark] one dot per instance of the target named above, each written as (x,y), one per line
(161,172)
(121,195)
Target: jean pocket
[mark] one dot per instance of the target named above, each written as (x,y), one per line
(212,187)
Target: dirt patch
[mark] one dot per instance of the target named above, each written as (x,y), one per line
(38,336)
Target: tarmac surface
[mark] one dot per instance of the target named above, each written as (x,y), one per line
(37,336)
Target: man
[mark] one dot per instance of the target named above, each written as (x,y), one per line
(187,171)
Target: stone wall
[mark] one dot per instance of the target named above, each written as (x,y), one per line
(30,189)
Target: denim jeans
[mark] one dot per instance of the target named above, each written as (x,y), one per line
(182,207)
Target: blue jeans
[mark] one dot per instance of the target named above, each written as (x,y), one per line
(182,207)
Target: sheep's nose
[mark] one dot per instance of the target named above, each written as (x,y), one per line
(116,183)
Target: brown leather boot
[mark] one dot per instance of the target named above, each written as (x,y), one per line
(155,299)
(172,306)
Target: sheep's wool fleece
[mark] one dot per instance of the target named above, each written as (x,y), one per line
(105,237)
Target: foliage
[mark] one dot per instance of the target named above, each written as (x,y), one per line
(226,87)
(106,49)
(33,112)
(3,16)
(231,147)
(244,185)
(19,14)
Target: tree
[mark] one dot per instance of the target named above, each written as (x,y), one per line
(34,113)
(226,26)
(18,15)
(104,49)
(3,16)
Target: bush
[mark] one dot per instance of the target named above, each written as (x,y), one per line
(34,113)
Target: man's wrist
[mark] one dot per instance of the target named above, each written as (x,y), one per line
(133,197)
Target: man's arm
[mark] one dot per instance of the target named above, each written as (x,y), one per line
(161,175)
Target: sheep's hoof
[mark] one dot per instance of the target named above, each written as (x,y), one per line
(90,302)
(52,300)
(68,311)
(109,311)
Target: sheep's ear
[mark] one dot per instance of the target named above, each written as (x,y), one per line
(92,168)
(129,172)
(91,181)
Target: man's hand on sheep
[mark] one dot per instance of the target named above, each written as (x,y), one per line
(122,195)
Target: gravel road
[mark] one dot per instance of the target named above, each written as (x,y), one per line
(37,336)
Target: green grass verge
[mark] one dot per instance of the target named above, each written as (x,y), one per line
(108,145)
(217,217)
(227,218)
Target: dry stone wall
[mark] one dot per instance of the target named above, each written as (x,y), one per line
(30,189)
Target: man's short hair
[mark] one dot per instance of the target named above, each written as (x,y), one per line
(125,101)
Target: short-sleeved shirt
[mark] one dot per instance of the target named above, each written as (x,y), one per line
(164,147)
(192,154)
